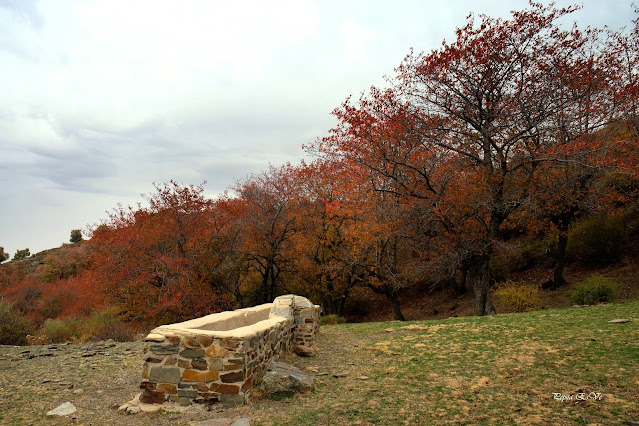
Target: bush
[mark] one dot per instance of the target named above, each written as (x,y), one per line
(358,303)
(597,240)
(517,297)
(106,324)
(596,289)
(530,251)
(332,320)
(59,331)
(498,268)
(14,327)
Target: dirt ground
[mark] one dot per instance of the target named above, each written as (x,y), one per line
(98,379)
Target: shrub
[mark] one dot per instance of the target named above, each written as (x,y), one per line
(106,324)
(597,240)
(530,251)
(14,327)
(332,320)
(596,289)
(498,268)
(518,297)
(58,331)
(358,303)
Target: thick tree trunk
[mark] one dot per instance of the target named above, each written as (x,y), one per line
(394,302)
(481,287)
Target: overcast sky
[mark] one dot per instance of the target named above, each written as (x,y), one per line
(101,98)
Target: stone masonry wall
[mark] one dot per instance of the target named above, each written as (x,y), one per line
(193,362)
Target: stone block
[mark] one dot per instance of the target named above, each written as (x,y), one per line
(152,337)
(148,385)
(199,364)
(215,351)
(165,375)
(164,349)
(166,388)
(205,340)
(192,353)
(187,393)
(173,339)
(229,367)
(229,343)
(225,388)
(191,342)
(152,397)
(233,377)
(216,364)
(200,376)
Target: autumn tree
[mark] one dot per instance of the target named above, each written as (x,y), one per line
(325,242)
(268,221)
(155,261)
(480,114)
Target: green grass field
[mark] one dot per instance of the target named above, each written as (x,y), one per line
(550,367)
(556,367)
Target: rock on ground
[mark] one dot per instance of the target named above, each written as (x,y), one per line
(303,350)
(282,377)
(242,421)
(63,410)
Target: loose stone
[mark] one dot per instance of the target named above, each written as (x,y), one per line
(63,410)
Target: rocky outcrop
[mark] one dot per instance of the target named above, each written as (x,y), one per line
(281,377)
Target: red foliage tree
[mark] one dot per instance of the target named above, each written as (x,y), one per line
(155,262)
(267,217)
(466,128)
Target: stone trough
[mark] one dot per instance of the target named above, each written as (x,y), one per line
(217,357)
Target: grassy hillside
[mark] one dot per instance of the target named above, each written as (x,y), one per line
(507,369)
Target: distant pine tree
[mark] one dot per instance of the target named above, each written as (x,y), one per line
(76,236)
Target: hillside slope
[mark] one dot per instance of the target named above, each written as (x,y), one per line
(506,368)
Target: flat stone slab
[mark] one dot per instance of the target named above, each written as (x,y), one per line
(65,409)
(282,377)
(212,422)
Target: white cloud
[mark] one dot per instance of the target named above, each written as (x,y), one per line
(100,98)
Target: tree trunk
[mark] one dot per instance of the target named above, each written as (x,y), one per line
(459,281)
(481,287)
(560,261)
(328,305)
(394,302)
(265,287)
